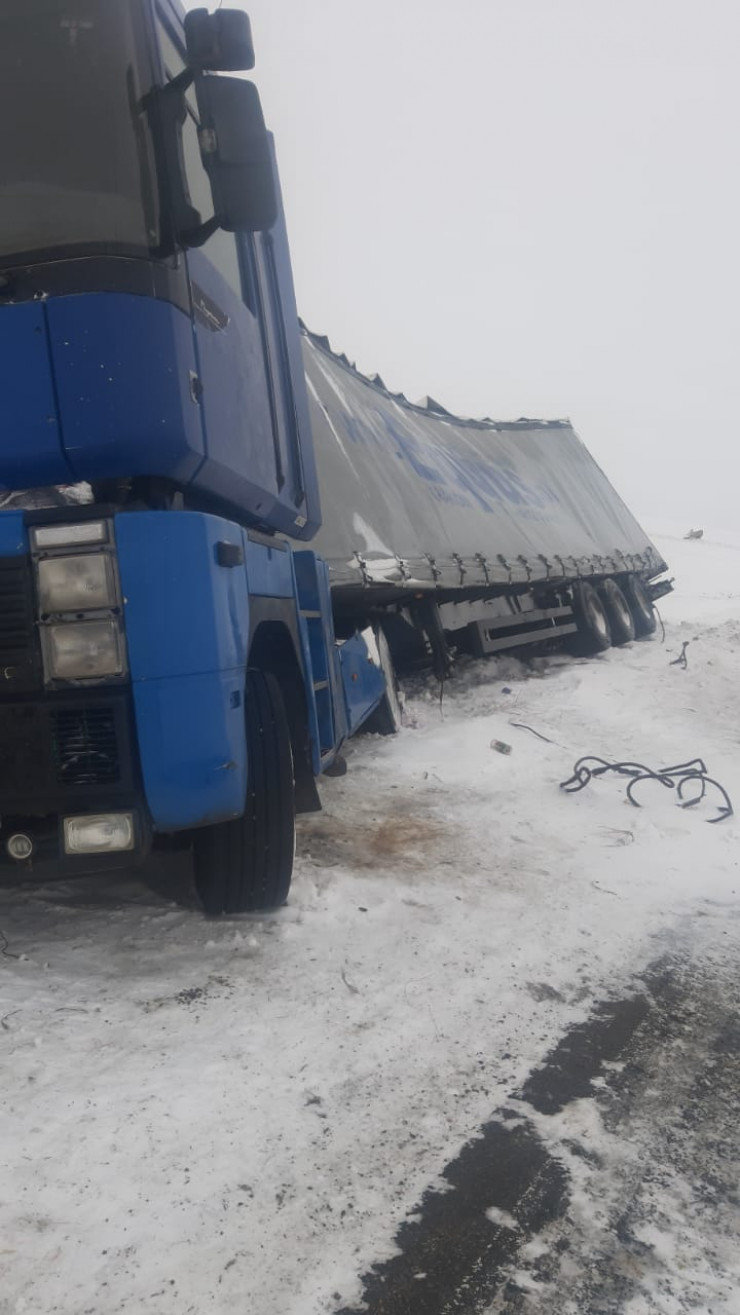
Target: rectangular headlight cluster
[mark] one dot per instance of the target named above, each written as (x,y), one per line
(76,584)
(103,833)
(84,650)
(79,602)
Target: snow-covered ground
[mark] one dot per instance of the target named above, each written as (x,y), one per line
(238,1116)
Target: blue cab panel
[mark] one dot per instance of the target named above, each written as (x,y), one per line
(187,628)
(123,366)
(187,613)
(207,391)
(116,385)
(13,534)
(31,449)
(363,682)
(270,569)
(192,749)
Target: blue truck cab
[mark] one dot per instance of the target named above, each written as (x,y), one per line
(168,664)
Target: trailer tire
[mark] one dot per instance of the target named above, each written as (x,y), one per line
(619,613)
(641,607)
(594,633)
(247,865)
(387,718)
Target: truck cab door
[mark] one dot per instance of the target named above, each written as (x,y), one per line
(267,259)
(250,382)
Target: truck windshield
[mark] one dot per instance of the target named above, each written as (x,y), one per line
(76,171)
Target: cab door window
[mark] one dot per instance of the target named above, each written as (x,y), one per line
(221,248)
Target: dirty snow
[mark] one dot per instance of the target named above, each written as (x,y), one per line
(215,1116)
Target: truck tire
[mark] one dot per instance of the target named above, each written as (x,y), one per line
(619,613)
(641,607)
(387,718)
(246,865)
(594,634)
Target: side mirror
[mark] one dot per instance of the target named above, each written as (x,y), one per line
(236,152)
(220,42)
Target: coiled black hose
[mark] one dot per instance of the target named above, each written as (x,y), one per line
(680,778)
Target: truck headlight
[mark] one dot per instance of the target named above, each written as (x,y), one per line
(83,650)
(76,584)
(79,601)
(104,833)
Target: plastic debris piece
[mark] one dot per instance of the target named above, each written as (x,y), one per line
(500,746)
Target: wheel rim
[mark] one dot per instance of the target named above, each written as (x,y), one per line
(623,612)
(642,599)
(601,624)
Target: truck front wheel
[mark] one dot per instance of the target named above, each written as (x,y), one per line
(246,865)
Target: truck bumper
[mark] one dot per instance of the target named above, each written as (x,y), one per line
(65,756)
(168,746)
(49,858)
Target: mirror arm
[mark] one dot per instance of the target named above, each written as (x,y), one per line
(182,83)
(195,237)
(166,109)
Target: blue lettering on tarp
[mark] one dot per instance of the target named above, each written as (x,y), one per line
(484,484)
(410,449)
(354,430)
(442,494)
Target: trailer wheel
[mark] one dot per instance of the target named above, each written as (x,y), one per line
(594,634)
(641,607)
(247,865)
(621,621)
(387,718)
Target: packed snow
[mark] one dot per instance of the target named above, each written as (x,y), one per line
(211,1116)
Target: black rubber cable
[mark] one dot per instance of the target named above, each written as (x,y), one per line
(677,778)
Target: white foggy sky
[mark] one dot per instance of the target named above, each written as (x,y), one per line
(527,207)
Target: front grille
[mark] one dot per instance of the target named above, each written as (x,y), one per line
(85,747)
(21,748)
(58,751)
(20,665)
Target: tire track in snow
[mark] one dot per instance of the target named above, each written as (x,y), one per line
(501,1234)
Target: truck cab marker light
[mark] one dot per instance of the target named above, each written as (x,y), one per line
(69,536)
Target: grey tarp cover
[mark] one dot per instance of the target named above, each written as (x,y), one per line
(415,495)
